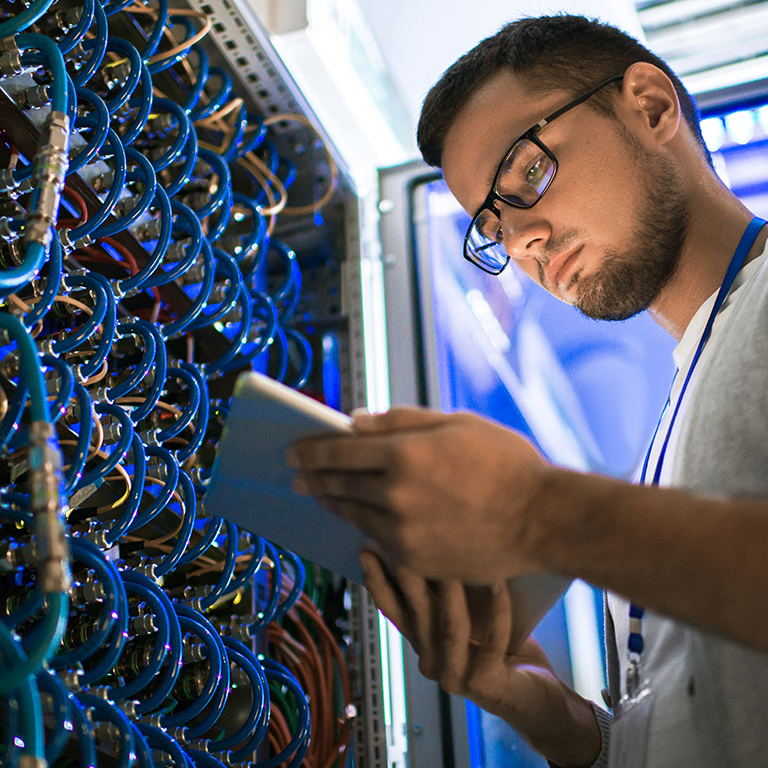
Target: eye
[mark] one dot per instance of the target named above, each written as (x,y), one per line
(537,172)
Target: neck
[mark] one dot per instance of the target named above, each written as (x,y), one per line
(716,225)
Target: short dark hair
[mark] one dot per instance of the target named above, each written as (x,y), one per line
(546,52)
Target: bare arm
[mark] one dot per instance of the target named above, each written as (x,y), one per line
(458,497)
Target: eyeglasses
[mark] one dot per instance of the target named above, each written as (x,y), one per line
(523,176)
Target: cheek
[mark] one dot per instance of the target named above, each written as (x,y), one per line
(598,196)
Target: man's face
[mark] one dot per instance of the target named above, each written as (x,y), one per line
(606,236)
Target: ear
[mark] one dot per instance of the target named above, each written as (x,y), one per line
(651,99)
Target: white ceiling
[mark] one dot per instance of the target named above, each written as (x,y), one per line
(420,39)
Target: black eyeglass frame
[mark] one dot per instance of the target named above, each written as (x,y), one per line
(530,135)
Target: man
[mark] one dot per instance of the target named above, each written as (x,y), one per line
(609,202)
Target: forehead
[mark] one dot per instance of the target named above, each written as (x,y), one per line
(494,116)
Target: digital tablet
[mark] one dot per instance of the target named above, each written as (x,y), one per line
(251,483)
(251,486)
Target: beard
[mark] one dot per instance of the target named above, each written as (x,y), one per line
(629,281)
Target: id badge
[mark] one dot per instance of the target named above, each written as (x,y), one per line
(628,747)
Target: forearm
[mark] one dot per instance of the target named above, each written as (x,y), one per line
(696,558)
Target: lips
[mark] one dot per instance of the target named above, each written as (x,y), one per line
(559,268)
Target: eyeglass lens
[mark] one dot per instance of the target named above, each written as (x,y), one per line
(523,178)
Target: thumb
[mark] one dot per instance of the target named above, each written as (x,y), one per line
(397,419)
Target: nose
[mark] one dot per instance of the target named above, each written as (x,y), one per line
(525,232)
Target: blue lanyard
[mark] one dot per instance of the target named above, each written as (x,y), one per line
(635,643)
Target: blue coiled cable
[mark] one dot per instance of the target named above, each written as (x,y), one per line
(98,45)
(158,377)
(182,132)
(299,742)
(106,711)
(117,642)
(169,61)
(92,364)
(99,123)
(298,584)
(260,731)
(241,123)
(26,692)
(25,19)
(77,33)
(183,421)
(90,555)
(144,366)
(259,134)
(267,613)
(145,175)
(159,739)
(187,526)
(244,578)
(155,259)
(222,585)
(195,623)
(202,79)
(123,524)
(80,456)
(66,388)
(238,654)
(306,357)
(144,104)
(235,280)
(119,174)
(102,297)
(173,660)
(49,683)
(83,731)
(178,326)
(119,450)
(201,420)
(219,166)
(218,100)
(161,277)
(52,285)
(143,750)
(120,99)
(153,41)
(48,48)
(211,532)
(147,590)
(254,244)
(188,166)
(167,489)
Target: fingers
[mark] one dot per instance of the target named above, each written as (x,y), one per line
(396,419)
(455,630)
(348,452)
(385,593)
(500,624)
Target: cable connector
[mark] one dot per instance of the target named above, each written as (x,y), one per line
(33,98)
(10,58)
(51,163)
(46,506)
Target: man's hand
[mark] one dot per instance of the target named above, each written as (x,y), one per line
(451,495)
(522,689)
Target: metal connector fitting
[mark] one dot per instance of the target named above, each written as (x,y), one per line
(46,506)
(50,164)
(7,182)
(34,97)
(10,58)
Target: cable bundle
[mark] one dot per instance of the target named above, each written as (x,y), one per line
(138,268)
